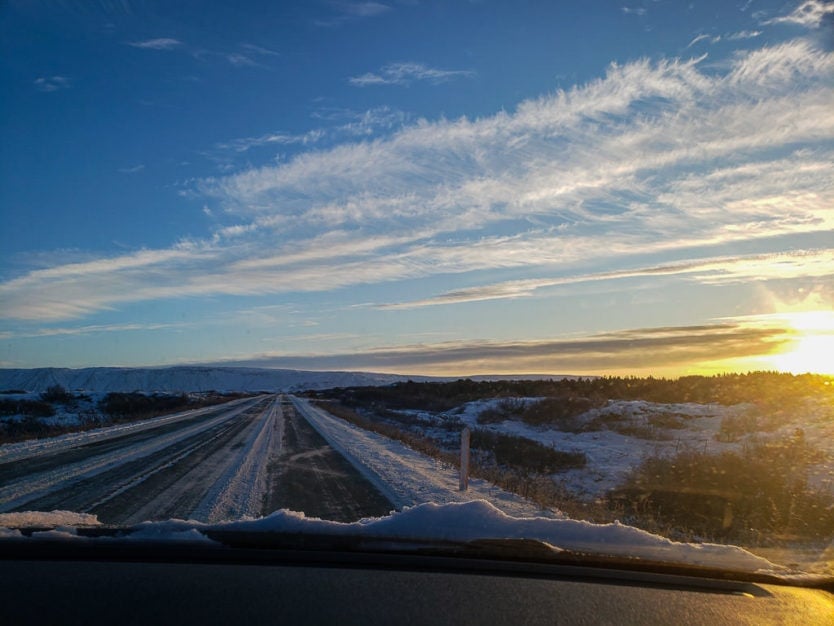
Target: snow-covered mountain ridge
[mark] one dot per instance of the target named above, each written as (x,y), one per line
(187,378)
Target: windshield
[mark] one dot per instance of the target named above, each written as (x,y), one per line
(446,271)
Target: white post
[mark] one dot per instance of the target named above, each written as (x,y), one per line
(464,458)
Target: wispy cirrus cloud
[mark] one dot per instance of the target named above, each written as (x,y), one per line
(700,38)
(159,43)
(811,14)
(342,123)
(241,60)
(91,329)
(654,158)
(743,34)
(132,170)
(405,73)
(713,39)
(52,83)
(634,10)
(363,9)
(259,50)
(246,143)
(247,54)
(344,12)
(720,270)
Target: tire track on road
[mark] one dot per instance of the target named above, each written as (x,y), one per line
(117,491)
(312,477)
(114,469)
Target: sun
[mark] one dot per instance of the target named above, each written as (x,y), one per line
(812,346)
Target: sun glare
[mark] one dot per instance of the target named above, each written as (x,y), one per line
(813,348)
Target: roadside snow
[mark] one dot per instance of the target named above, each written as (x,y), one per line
(403,475)
(629,433)
(51,519)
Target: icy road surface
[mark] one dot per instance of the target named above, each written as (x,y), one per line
(206,464)
(241,459)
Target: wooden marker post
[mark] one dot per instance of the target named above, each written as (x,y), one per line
(464,458)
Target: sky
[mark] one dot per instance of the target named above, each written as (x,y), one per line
(451,187)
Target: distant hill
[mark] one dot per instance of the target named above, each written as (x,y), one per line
(209,377)
(188,378)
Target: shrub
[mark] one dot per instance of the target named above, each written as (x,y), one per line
(34,408)
(57,394)
(559,413)
(734,426)
(508,408)
(761,490)
(525,453)
(130,405)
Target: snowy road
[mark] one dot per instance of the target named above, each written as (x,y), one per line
(203,465)
(245,458)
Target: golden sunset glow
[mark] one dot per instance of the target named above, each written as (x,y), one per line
(813,349)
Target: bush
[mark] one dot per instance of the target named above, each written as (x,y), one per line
(763,489)
(57,394)
(560,413)
(525,453)
(33,408)
(130,405)
(667,420)
(734,426)
(506,409)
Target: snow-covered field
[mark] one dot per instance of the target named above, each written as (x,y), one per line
(627,432)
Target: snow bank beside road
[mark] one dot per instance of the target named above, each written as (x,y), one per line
(405,476)
(50,519)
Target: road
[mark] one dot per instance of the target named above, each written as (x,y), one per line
(246,457)
(311,476)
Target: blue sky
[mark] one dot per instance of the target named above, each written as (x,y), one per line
(420,187)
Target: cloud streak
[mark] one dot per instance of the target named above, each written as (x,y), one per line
(90,330)
(337,124)
(721,270)
(160,43)
(627,350)
(348,11)
(52,83)
(811,14)
(132,170)
(404,74)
